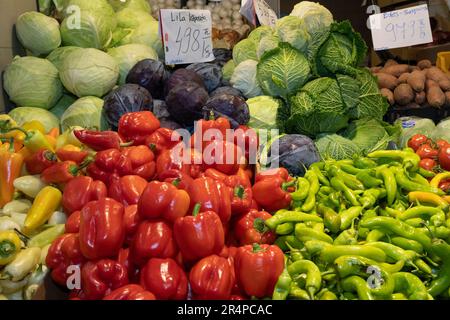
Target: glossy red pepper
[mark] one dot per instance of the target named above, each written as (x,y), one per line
(223,156)
(138,160)
(64,252)
(104,166)
(206,130)
(247,139)
(101,229)
(81,190)
(257,269)
(199,235)
(274,173)
(99,140)
(212,278)
(153,239)
(73,222)
(131,221)
(61,172)
(40,161)
(212,195)
(71,153)
(127,189)
(179,179)
(250,228)
(174,159)
(162,139)
(163,200)
(137,126)
(124,258)
(101,277)
(165,278)
(130,292)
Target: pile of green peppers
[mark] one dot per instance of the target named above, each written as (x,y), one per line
(370,228)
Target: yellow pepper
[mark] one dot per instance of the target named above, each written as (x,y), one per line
(428,197)
(438,178)
(68,138)
(35,140)
(6,123)
(10,245)
(34,125)
(46,202)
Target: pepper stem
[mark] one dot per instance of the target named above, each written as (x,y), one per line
(176,182)
(50,156)
(19,129)
(259,225)
(212,115)
(126,144)
(11,145)
(239,192)
(256,248)
(287,185)
(152,147)
(6,248)
(196,210)
(22,236)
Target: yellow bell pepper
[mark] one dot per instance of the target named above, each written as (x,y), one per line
(34,125)
(10,245)
(46,202)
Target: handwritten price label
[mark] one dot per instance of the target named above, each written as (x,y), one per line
(401,28)
(186,36)
(253,9)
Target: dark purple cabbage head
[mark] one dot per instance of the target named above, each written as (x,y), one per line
(150,74)
(181,76)
(234,108)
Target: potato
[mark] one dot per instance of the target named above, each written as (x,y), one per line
(436,74)
(445,85)
(404,78)
(403,94)
(417,81)
(424,64)
(396,70)
(435,97)
(430,83)
(389,95)
(413,68)
(376,69)
(386,81)
(420,98)
(390,62)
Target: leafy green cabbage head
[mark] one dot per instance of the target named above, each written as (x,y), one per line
(244,50)
(85,112)
(145,33)
(32,82)
(130,18)
(292,30)
(26,114)
(334,146)
(265,113)
(315,16)
(136,5)
(89,72)
(38,33)
(58,55)
(244,79)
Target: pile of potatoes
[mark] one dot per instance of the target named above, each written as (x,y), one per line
(406,85)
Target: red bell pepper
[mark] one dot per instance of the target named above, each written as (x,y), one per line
(40,161)
(199,235)
(247,139)
(81,190)
(165,279)
(219,125)
(137,126)
(64,252)
(101,277)
(212,278)
(131,221)
(250,228)
(162,139)
(179,179)
(223,156)
(71,153)
(173,159)
(212,195)
(104,166)
(271,190)
(258,268)
(101,229)
(73,222)
(127,190)
(124,258)
(130,292)
(61,172)
(100,140)
(138,160)
(153,239)
(163,200)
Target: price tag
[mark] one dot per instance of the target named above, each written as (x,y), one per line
(186,35)
(258,9)
(401,28)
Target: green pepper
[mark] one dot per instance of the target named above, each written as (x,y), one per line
(335,199)
(423,266)
(284,242)
(442,282)
(47,236)
(420,211)
(441,232)
(331,219)
(410,285)
(318,226)
(415,222)
(375,235)
(304,234)
(339,185)
(371,196)
(326,294)
(407,244)
(317,169)
(314,247)
(349,180)
(326,190)
(395,253)
(419,179)
(363,232)
(310,201)
(294,253)
(357,265)
(358,285)
(283,285)
(410,160)
(313,276)
(405,183)
(349,215)
(329,254)
(302,189)
(364,163)
(284,228)
(349,168)
(427,174)
(346,237)
(389,212)
(368,180)
(390,183)
(297,293)
(284,216)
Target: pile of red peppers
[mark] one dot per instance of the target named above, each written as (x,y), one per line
(144,226)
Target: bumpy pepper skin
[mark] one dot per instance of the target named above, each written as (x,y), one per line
(137,160)
(258,268)
(271,194)
(40,161)
(101,277)
(130,292)
(199,236)
(250,228)
(162,139)
(313,276)
(358,285)
(71,153)
(104,165)
(411,285)
(153,239)
(165,279)
(101,229)
(212,278)
(81,190)
(60,172)
(64,252)
(127,189)
(73,222)
(131,221)
(99,140)
(137,126)
(163,200)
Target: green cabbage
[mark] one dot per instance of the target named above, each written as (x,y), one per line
(38,33)
(26,114)
(267,43)
(145,33)
(130,18)
(45,6)
(136,5)
(89,72)
(32,82)
(265,113)
(129,55)
(244,79)
(334,146)
(244,50)
(61,106)
(58,55)
(259,33)
(292,30)
(315,17)
(85,112)
(282,71)
(228,70)
(100,6)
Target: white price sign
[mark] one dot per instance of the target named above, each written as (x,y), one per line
(401,28)
(252,9)
(186,35)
